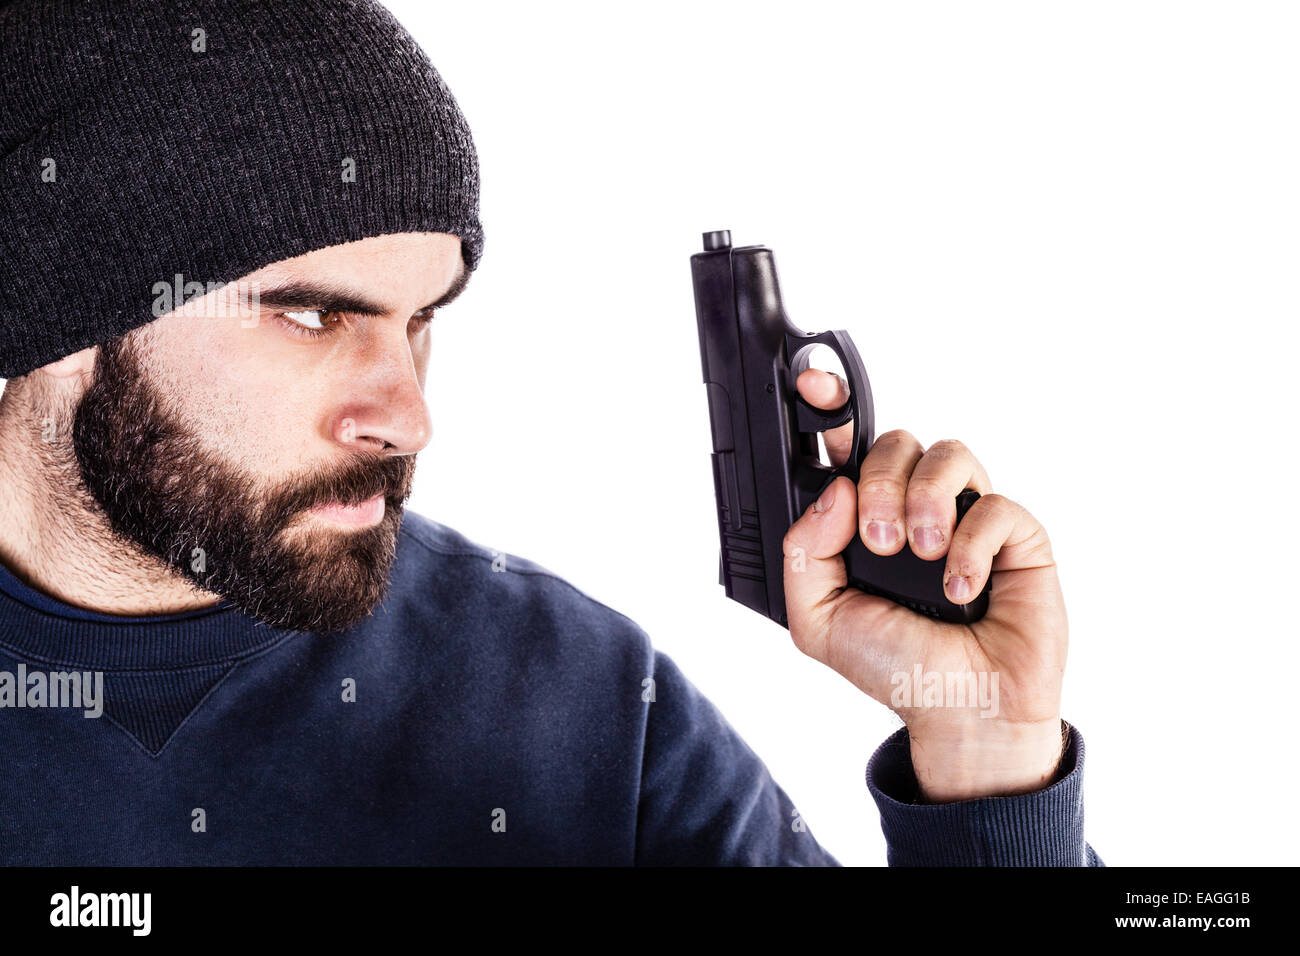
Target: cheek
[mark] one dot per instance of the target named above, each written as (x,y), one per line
(256,413)
(260,396)
(273,425)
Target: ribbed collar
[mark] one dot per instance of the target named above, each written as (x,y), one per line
(38,626)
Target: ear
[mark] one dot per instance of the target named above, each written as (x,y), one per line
(78,363)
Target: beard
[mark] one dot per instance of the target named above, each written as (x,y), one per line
(216,525)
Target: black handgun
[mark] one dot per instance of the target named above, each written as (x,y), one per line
(766,468)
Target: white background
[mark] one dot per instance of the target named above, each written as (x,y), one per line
(1065,234)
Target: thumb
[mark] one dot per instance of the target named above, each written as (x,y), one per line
(814,570)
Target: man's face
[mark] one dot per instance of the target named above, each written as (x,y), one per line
(262,458)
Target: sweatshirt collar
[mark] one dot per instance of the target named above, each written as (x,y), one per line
(37,626)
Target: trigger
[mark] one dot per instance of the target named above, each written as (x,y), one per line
(809,418)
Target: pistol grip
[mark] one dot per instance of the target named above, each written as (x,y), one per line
(913,582)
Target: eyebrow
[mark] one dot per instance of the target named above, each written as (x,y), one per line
(301,294)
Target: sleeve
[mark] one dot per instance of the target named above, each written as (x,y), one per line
(1042,828)
(706,799)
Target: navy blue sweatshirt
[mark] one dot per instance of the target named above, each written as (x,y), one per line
(488,713)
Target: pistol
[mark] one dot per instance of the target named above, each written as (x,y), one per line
(766,468)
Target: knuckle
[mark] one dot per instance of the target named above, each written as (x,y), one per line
(924,488)
(899,439)
(880,488)
(948,448)
(965,538)
(1040,538)
(995,502)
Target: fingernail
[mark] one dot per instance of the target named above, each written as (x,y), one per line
(882,534)
(823,504)
(958,587)
(927,537)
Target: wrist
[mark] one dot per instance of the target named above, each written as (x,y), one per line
(967,761)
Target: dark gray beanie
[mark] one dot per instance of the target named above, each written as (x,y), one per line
(142,139)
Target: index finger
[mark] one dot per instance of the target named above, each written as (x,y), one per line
(827,390)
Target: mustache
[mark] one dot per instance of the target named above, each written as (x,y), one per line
(349,484)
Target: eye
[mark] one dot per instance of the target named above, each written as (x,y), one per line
(424,317)
(310,323)
(308,318)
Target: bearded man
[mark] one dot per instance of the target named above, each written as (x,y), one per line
(203,503)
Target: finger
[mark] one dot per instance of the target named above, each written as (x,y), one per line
(814,569)
(827,390)
(882,491)
(944,471)
(996,534)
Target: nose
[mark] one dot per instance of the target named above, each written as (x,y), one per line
(386,410)
(396,426)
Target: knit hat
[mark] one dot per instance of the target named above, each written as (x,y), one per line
(145,139)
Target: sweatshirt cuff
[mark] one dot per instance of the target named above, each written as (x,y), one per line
(1042,828)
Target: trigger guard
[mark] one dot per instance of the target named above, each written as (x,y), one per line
(809,418)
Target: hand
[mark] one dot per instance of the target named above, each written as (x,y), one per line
(1010,740)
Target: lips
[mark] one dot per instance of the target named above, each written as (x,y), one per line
(362,514)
